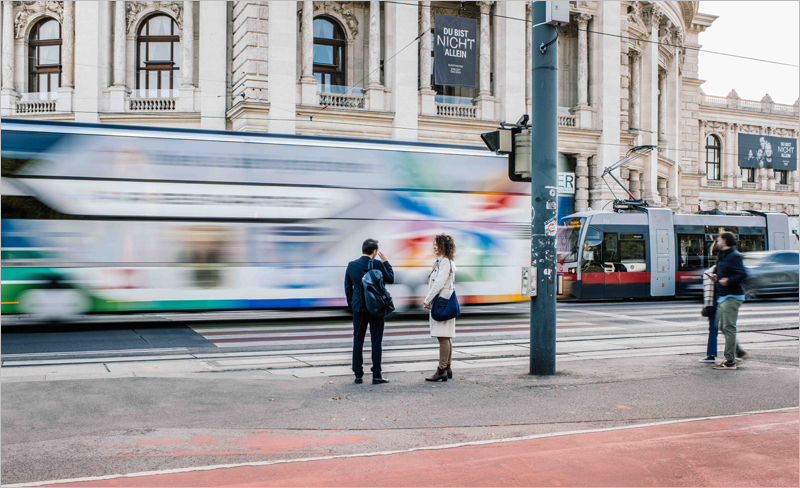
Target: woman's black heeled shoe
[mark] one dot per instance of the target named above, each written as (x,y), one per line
(439,375)
(449,372)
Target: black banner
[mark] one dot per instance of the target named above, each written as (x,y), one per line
(455,50)
(757,151)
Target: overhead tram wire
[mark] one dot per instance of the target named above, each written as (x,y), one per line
(624,37)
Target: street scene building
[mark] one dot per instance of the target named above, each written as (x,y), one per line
(628,75)
(399,243)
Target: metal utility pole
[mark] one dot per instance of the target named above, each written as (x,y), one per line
(544,191)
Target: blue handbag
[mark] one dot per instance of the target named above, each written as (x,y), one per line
(443,310)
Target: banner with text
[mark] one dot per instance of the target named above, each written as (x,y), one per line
(455,51)
(758,151)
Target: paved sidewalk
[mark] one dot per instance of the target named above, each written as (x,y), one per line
(749,450)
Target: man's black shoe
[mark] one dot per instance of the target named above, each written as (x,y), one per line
(379,380)
(359,381)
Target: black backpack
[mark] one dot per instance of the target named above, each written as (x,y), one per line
(377,300)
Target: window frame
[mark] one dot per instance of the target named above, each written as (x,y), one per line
(157,66)
(782,176)
(331,69)
(713,167)
(34,70)
(749,175)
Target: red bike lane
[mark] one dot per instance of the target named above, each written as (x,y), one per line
(749,450)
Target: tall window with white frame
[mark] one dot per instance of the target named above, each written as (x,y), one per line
(749,175)
(713,149)
(158,54)
(329,55)
(44,47)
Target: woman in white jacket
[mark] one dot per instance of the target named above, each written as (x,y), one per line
(441,281)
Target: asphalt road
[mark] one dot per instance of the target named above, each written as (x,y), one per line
(76,428)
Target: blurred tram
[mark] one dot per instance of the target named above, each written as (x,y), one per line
(651,252)
(105,218)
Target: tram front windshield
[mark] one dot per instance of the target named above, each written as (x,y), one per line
(569,232)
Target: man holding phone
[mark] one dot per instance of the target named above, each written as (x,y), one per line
(361,318)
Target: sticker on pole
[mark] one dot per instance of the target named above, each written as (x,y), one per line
(550,227)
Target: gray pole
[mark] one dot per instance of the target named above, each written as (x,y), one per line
(544,204)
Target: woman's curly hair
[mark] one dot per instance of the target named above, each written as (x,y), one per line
(446,245)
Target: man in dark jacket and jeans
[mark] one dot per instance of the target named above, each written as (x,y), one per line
(728,278)
(361,318)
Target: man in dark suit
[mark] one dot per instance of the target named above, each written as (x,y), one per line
(361,318)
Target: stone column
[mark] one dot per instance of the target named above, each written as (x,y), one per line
(662,106)
(282,65)
(9,96)
(426,93)
(68,45)
(528,54)
(582,182)
(635,184)
(674,187)
(119,42)
(485,98)
(605,86)
(425,45)
(186,99)
(635,62)
(402,22)
(118,92)
(374,87)
(92,60)
(212,54)
(662,191)
(308,84)
(729,158)
(649,98)
(67,88)
(583,110)
(509,63)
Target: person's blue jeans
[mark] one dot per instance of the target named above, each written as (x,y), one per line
(360,322)
(712,333)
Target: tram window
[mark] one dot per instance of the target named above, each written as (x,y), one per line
(632,253)
(751,243)
(610,251)
(691,251)
(592,250)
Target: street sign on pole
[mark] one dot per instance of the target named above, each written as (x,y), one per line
(544,186)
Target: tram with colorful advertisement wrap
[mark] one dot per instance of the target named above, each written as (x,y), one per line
(651,252)
(105,218)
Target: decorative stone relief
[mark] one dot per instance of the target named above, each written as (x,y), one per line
(29,9)
(345,10)
(135,9)
(652,14)
(750,129)
(716,125)
(466,14)
(784,132)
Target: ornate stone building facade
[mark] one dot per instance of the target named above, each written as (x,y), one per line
(628,75)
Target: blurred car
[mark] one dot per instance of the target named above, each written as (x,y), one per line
(771,273)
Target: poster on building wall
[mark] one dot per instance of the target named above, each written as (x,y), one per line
(759,151)
(455,51)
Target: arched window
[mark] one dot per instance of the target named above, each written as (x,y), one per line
(45,57)
(329,53)
(712,157)
(158,53)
